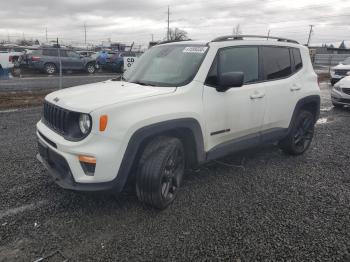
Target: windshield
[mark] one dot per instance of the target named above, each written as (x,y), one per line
(167,65)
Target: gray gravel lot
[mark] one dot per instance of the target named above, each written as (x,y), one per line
(40,82)
(255,205)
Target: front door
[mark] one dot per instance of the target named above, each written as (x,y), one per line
(73,61)
(237,114)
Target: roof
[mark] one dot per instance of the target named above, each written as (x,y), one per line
(238,40)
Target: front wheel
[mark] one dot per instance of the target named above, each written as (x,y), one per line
(50,68)
(301,134)
(160,172)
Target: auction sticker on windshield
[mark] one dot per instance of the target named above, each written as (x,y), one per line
(129,61)
(195,49)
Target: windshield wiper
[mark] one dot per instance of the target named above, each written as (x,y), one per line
(142,83)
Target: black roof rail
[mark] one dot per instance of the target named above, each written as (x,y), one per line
(242,37)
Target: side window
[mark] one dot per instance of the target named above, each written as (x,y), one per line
(276,62)
(73,54)
(240,59)
(298,63)
(235,59)
(63,53)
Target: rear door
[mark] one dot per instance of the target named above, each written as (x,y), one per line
(282,75)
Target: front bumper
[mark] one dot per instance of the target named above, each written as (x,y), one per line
(60,157)
(340,97)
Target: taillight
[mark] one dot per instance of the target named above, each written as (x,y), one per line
(10,58)
(35,58)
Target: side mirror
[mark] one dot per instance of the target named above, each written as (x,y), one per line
(229,80)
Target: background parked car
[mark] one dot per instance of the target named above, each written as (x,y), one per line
(340,71)
(9,59)
(87,53)
(114,62)
(47,59)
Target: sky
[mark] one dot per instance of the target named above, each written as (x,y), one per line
(138,20)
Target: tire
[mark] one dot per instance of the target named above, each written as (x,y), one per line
(160,172)
(301,134)
(90,68)
(50,68)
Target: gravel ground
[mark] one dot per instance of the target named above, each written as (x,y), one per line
(31,90)
(256,205)
(44,82)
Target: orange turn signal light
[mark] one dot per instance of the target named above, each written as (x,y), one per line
(87,159)
(103,122)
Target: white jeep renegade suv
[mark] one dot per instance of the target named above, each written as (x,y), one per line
(182,104)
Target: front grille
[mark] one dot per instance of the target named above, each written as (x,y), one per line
(56,118)
(341,72)
(346,91)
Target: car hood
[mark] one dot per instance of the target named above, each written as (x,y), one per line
(87,98)
(344,82)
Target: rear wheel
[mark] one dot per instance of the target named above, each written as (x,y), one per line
(160,172)
(91,68)
(50,68)
(301,134)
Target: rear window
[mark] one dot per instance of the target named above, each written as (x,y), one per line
(276,62)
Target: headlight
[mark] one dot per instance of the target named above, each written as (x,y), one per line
(337,87)
(84,123)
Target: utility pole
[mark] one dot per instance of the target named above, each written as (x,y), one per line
(8,37)
(268,34)
(85,32)
(152,37)
(60,64)
(46,34)
(310,32)
(168,31)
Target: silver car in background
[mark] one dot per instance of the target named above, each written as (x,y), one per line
(340,92)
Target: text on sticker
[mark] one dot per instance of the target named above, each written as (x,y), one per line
(195,49)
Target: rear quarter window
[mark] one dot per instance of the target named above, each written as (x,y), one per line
(298,62)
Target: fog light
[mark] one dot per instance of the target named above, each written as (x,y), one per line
(88,164)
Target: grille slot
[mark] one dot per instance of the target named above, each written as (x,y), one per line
(341,72)
(55,117)
(346,91)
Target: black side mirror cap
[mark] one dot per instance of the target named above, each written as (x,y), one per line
(229,80)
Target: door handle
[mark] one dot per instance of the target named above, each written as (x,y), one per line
(295,87)
(257,96)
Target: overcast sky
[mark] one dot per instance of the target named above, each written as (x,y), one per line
(137,20)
